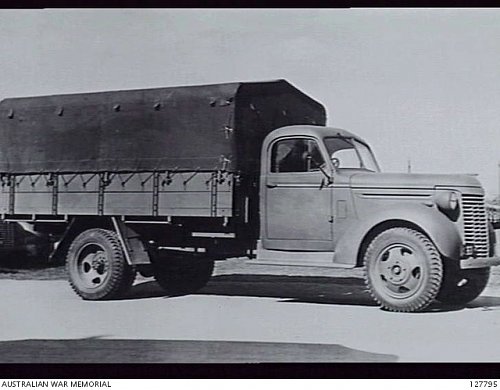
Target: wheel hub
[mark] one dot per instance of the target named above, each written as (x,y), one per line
(399,270)
(396,268)
(93,268)
(99,263)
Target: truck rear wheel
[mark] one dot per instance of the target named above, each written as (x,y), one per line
(460,286)
(403,270)
(97,266)
(183,276)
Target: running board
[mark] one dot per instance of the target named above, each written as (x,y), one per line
(303,263)
(296,258)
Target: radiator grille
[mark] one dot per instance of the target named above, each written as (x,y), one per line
(475,223)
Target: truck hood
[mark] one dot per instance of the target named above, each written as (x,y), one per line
(411,180)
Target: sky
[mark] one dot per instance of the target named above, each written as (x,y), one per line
(417,84)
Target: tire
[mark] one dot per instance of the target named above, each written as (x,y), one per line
(403,270)
(461,286)
(183,276)
(97,267)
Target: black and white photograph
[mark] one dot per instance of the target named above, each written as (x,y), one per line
(203,186)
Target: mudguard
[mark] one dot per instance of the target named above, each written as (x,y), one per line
(442,232)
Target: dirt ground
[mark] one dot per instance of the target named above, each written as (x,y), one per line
(20,268)
(246,313)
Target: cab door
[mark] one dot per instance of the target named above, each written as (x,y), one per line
(298,204)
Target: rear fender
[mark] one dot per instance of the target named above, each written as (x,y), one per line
(132,246)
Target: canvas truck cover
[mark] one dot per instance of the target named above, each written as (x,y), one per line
(202,128)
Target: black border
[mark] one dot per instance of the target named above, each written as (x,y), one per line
(261,370)
(295,4)
(254,371)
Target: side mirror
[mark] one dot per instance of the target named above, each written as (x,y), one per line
(323,184)
(325,181)
(313,163)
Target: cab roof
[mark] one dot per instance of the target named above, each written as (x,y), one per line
(312,130)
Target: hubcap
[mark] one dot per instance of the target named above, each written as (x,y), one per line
(399,271)
(92,266)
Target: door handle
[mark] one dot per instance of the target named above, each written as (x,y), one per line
(269,185)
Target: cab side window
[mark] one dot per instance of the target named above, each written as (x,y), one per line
(296,155)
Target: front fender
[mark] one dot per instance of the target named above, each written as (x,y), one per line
(443,232)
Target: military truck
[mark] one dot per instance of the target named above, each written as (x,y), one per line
(165,181)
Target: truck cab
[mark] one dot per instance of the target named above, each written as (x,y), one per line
(325,202)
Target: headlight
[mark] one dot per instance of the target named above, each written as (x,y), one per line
(446,200)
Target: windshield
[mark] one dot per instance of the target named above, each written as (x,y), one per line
(350,153)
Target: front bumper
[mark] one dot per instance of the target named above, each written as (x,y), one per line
(480,262)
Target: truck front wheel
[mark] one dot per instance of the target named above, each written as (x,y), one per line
(403,270)
(97,267)
(183,276)
(460,286)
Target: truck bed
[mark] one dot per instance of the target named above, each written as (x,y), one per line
(148,193)
(177,151)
